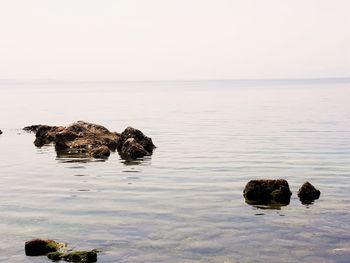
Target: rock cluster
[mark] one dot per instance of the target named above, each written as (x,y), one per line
(277,192)
(265,192)
(58,251)
(308,193)
(83,139)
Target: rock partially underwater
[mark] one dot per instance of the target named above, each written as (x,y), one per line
(74,256)
(58,251)
(308,193)
(267,192)
(83,139)
(133,144)
(32,128)
(42,247)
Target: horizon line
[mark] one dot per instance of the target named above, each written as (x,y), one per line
(42,80)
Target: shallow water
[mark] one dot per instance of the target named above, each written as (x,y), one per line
(185,203)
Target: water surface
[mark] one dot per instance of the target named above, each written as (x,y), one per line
(185,203)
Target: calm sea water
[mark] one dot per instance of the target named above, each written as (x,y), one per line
(185,203)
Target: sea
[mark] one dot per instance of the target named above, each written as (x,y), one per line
(183,204)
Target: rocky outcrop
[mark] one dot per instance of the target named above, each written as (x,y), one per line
(42,247)
(308,193)
(80,139)
(133,144)
(75,256)
(83,139)
(267,192)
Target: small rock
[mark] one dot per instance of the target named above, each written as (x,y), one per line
(133,144)
(267,192)
(308,193)
(101,152)
(132,150)
(46,134)
(0,131)
(55,256)
(75,256)
(41,247)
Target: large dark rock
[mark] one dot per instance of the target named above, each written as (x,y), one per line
(0,131)
(308,193)
(40,247)
(133,144)
(267,192)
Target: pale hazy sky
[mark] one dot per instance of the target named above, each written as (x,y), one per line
(178,39)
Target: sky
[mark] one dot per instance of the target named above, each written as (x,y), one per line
(107,40)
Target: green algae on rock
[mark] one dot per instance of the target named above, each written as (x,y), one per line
(75,256)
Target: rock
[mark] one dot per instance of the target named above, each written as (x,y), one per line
(308,193)
(101,152)
(40,247)
(267,192)
(46,134)
(0,131)
(32,128)
(74,256)
(80,139)
(133,144)
(132,150)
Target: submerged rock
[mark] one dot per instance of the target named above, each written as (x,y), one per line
(308,193)
(75,256)
(41,247)
(267,192)
(133,144)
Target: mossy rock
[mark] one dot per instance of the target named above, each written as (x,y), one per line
(55,256)
(86,256)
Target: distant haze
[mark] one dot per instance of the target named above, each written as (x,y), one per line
(180,39)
